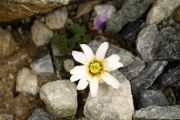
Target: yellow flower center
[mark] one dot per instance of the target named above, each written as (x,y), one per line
(95,67)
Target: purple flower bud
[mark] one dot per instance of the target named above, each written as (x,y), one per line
(100,22)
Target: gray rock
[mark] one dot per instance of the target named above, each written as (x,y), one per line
(68,64)
(7,43)
(133,69)
(6,117)
(166,45)
(40,114)
(57,19)
(110,103)
(152,98)
(145,41)
(176,84)
(170,77)
(162,9)
(27,82)
(60,98)
(40,33)
(129,2)
(130,31)
(105,9)
(158,113)
(43,66)
(127,14)
(147,77)
(126,57)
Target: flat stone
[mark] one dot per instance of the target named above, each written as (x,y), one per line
(27,82)
(161,10)
(147,77)
(110,103)
(57,18)
(40,114)
(166,45)
(145,41)
(158,113)
(12,10)
(127,14)
(41,35)
(43,66)
(152,98)
(60,98)
(126,57)
(170,77)
(7,43)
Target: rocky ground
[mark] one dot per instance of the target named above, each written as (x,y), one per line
(35,59)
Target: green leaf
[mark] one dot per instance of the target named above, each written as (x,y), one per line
(78,29)
(61,43)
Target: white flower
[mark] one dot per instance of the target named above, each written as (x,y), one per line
(95,68)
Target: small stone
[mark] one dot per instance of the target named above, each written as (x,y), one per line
(68,64)
(145,41)
(152,98)
(60,98)
(85,8)
(40,114)
(6,117)
(43,66)
(55,51)
(147,77)
(20,106)
(105,10)
(27,82)
(158,113)
(126,57)
(166,44)
(161,10)
(41,35)
(11,76)
(127,14)
(7,43)
(170,77)
(57,18)
(110,103)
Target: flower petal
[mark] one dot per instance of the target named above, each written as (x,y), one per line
(112,63)
(110,80)
(79,70)
(113,57)
(101,51)
(83,83)
(110,66)
(75,77)
(79,57)
(87,51)
(94,85)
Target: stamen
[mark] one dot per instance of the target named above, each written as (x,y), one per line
(95,67)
